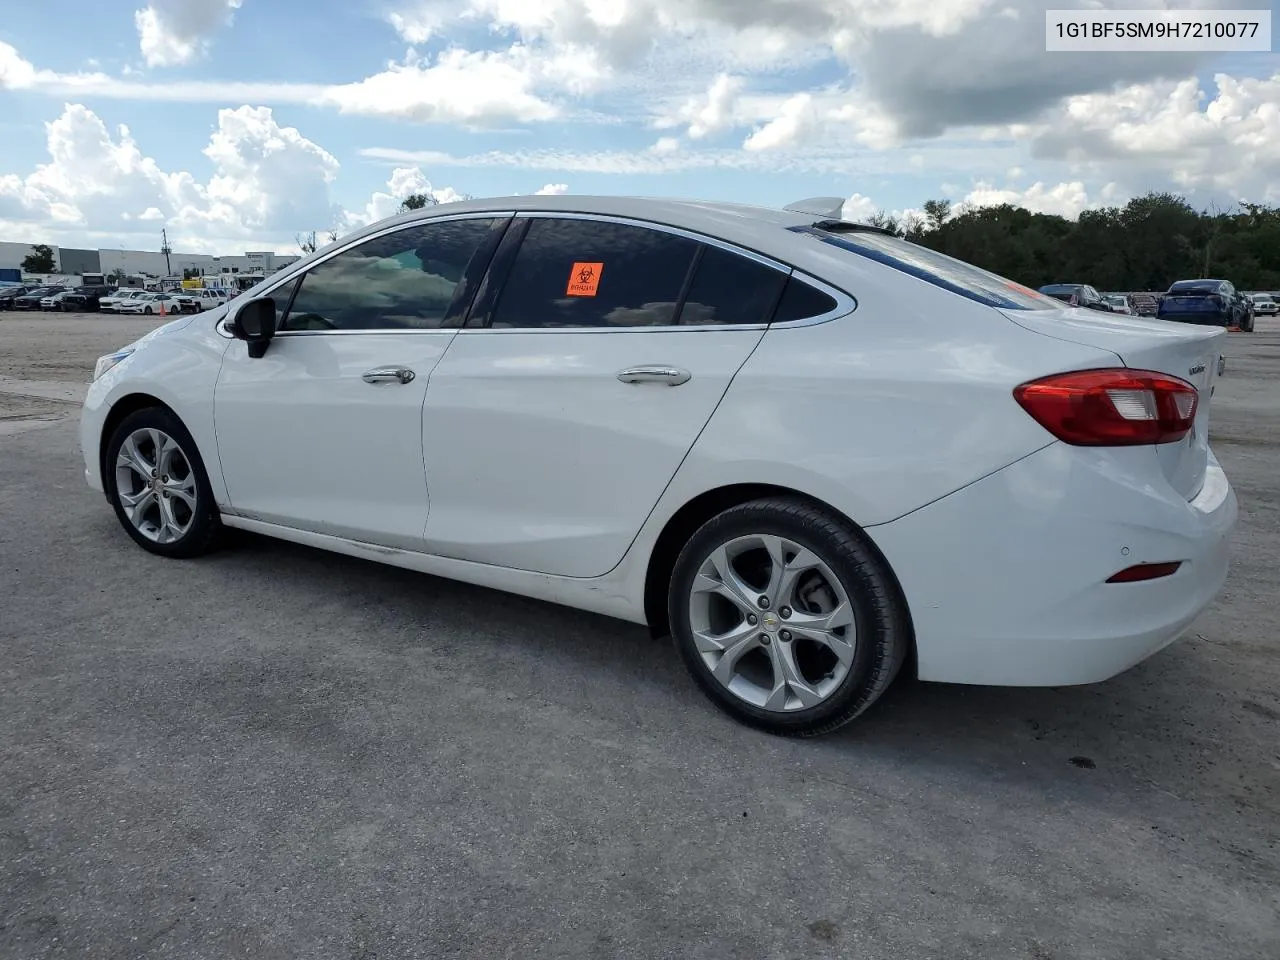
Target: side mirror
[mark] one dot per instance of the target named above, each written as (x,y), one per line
(255,323)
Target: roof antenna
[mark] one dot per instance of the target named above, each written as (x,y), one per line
(829,208)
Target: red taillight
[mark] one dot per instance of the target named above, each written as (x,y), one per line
(1145,571)
(1111,408)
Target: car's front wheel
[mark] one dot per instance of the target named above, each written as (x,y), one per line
(786,617)
(158,485)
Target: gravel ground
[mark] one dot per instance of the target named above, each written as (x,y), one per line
(277,752)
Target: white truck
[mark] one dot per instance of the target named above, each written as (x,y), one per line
(199,300)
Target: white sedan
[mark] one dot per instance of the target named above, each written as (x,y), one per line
(111,303)
(151,303)
(808,450)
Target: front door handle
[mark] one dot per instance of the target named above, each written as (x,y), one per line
(671,376)
(388,375)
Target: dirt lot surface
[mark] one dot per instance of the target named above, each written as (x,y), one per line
(63,346)
(277,752)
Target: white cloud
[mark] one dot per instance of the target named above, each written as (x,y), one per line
(465,87)
(797,120)
(470,88)
(268,182)
(403,182)
(816,157)
(422,21)
(1174,132)
(709,113)
(172,32)
(552,190)
(1063,199)
(858,208)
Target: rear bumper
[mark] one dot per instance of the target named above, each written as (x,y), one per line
(1006,579)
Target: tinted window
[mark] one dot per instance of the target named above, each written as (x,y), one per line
(588,273)
(405,279)
(938,269)
(801,301)
(728,288)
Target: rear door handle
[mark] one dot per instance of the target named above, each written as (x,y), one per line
(388,375)
(671,376)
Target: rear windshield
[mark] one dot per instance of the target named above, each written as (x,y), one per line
(1060,288)
(1195,286)
(936,268)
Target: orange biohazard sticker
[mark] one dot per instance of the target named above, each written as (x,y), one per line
(584,280)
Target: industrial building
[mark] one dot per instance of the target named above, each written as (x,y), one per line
(147,263)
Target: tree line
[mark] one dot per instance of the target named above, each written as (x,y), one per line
(1145,245)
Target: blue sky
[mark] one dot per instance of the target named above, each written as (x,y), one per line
(250,120)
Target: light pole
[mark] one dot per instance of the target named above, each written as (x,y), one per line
(166,250)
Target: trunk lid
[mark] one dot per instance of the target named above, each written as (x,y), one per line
(1180,350)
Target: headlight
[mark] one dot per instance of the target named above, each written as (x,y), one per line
(110,360)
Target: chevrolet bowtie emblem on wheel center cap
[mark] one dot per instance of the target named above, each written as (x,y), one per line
(770,622)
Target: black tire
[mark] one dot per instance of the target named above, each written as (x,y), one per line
(880,616)
(206,524)
(147,311)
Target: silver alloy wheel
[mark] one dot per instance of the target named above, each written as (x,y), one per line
(772,623)
(156,485)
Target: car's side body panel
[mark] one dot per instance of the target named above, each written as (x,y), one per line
(539,457)
(304,441)
(910,395)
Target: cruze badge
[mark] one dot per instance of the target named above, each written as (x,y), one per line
(1198,368)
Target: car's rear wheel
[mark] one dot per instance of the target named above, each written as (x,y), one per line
(158,485)
(786,617)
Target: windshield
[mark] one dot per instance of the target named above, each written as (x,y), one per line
(1194,286)
(936,268)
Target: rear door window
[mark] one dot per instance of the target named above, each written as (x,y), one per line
(593,273)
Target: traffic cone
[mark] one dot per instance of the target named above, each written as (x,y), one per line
(162,312)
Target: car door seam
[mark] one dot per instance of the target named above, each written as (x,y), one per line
(679,466)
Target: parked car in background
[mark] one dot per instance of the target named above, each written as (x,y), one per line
(798,555)
(1144,304)
(1077,295)
(151,303)
(1118,302)
(1211,302)
(9,294)
(85,298)
(1264,305)
(53,301)
(32,299)
(111,303)
(200,300)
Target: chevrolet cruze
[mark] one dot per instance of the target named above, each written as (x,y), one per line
(808,450)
